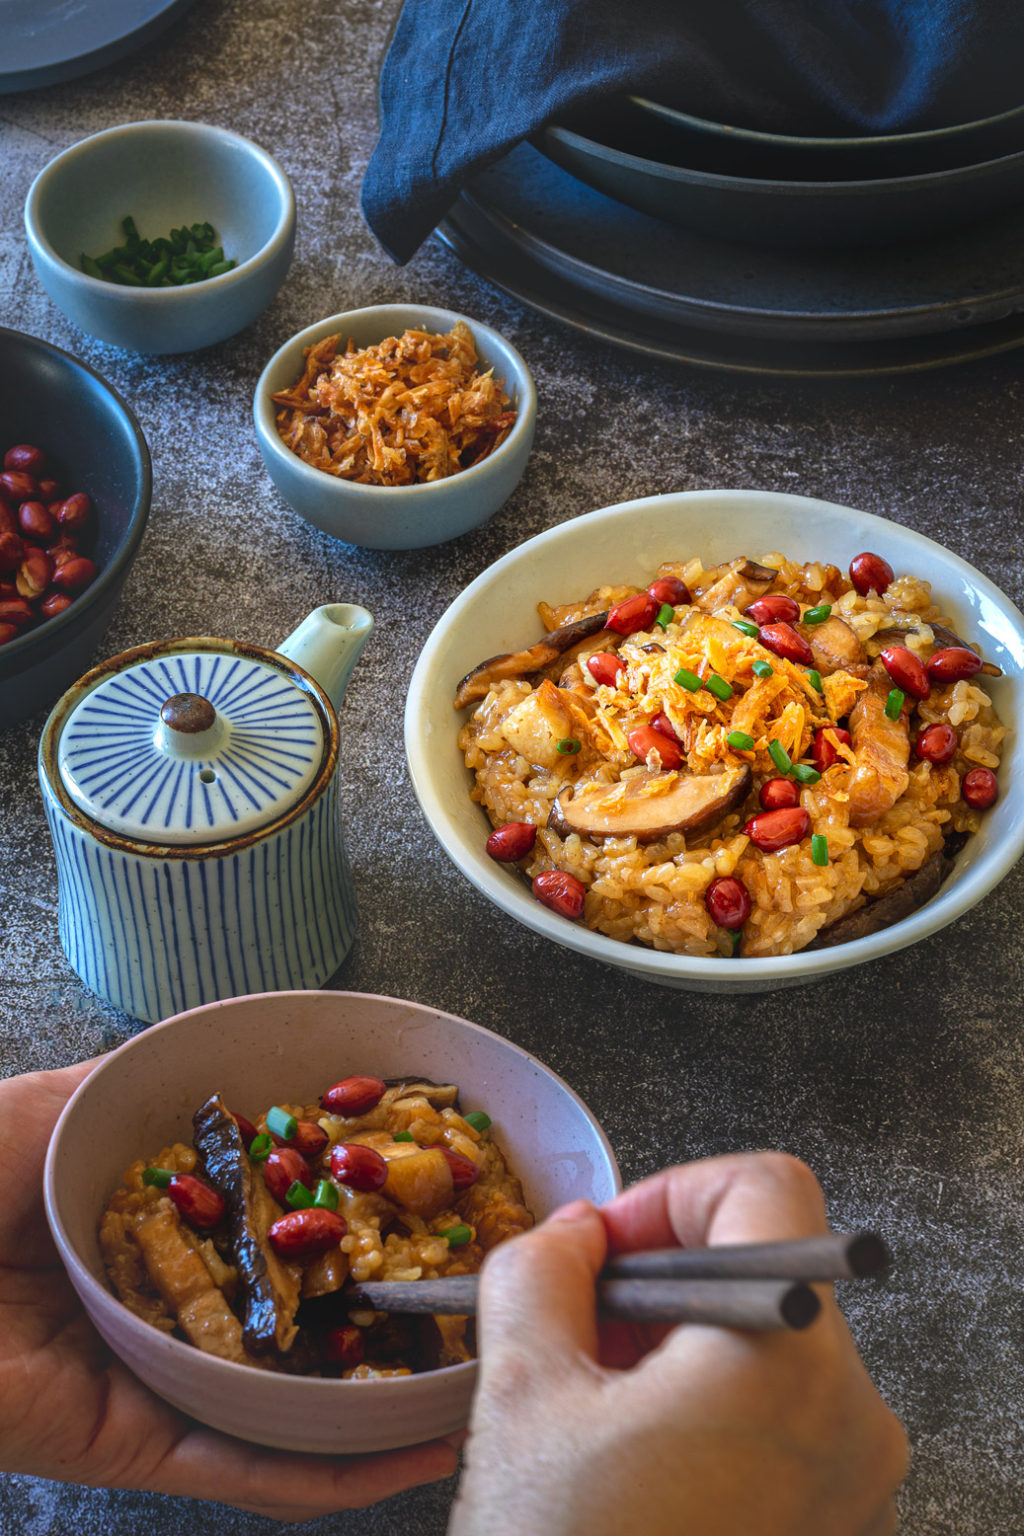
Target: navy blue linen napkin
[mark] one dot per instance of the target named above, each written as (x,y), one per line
(466,80)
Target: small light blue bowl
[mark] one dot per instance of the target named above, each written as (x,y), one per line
(163,174)
(402,516)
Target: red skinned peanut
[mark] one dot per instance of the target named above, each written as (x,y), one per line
(633,613)
(604,667)
(305,1234)
(773,830)
(200,1204)
(511,842)
(980,788)
(647,738)
(728,902)
(869,573)
(779,794)
(284,1167)
(784,641)
(670,589)
(75,574)
(906,670)
(937,743)
(361,1168)
(774,608)
(953,664)
(353,1095)
(560,891)
(75,511)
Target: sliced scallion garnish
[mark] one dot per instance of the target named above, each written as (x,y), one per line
(718,686)
(457,1236)
(261,1148)
(326,1195)
(814,678)
(745,627)
(299,1197)
(281,1123)
(819,849)
(817,615)
(740,741)
(477,1119)
(779,756)
(568,746)
(688,680)
(804,773)
(402,1136)
(763,669)
(159,1177)
(666,613)
(894,703)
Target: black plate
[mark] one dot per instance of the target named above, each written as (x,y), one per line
(493,245)
(653,276)
(46,41)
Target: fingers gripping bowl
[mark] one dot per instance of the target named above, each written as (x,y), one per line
(621,548)
(285,1047)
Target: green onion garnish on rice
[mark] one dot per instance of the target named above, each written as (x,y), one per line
(804,773)
(569,745)
(666,613)
(456,1236)
(779,756)
(894,703)
(688,680)
(819,849)
(817,615)
(762,669)
(402,1136)
(299,1197)
(160,1178)
(745,627)
(740,741)
(281,1123)
(325,1196)
(261,1148)
(814,678)
(718,686)
(477,1119)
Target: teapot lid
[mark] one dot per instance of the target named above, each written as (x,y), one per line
(191,747)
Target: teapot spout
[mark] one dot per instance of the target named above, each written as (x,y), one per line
(327,644)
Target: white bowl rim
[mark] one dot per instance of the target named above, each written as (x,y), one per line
(280,236)
(263,412)
(142,1332)
(954,898)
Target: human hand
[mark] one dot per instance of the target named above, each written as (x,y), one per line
(70,1411)
(616,1430)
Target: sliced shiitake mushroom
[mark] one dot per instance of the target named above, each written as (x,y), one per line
(649,806)
(835,647)
(478,683)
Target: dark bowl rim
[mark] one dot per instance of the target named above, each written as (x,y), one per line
(115,569)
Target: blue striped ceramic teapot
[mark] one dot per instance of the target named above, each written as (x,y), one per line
(191,792)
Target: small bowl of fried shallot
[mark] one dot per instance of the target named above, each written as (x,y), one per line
(396,426)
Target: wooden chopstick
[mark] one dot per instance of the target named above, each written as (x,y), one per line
(734,1303)
(753,1285)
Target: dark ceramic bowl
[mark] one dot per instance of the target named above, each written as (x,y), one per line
(94,444)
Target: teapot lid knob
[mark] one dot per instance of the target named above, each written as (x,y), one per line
(188,713)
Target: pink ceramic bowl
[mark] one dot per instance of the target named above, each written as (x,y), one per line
(288,1045)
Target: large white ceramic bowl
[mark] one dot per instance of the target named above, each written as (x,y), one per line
(626,543)
(259,1050)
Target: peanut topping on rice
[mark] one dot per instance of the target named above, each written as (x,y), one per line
(760,763)
(412,409)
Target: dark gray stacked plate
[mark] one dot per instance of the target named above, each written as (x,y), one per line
(750,273)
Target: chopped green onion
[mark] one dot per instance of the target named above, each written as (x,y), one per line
(666,613)
(299,1197)
(326,1195)
(814,678)
(161,1177)
(804,774)
(744,626)
(718,686)
(568,745)
(819,848)
(477,1119)
(281,1123)
(737,940)
(402,1136)
(688,680)
(456,1236)
(740,741)
(261,1147)
(187,256)
(779,756)
(894,703)
(762,669)
(817,615)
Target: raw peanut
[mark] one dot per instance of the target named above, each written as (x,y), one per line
(344,1345)
(775,608)
(8,518)
(353,1095)
(359,1167)
(54,603)
(62,550)
(906,670)
(19,486)
(75,511)
(36,521)
(464,1171)
(309,1139)
(646,738)
(49,490)
(12,550)
(27,457)
(784,640)
(7,632)
(304,1234)
(633,613)
(511,842)
(74,574)
(201,1205)
(953,664)
(34,574)
(560,891)
(15,610)
(282,1168)
(728,902)
(773,830)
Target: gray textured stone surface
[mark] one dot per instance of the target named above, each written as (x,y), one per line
(902,1084)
